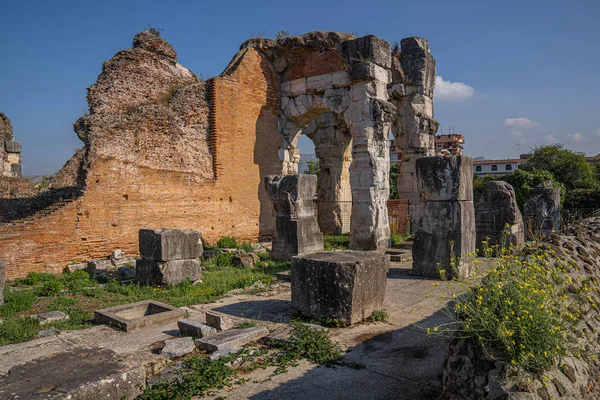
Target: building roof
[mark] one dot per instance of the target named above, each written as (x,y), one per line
(507,161)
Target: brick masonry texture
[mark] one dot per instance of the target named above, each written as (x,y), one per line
(120,198)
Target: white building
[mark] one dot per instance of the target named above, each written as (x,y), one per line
(495,167)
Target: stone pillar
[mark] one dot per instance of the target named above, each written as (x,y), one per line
(369,117)
(332,147)
(2,280)
(542,212)
(497,216)
(297,231)
(445,219)
(414,128)
(10,152)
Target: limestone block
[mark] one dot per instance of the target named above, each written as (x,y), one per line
(368,48)
(319,83)
(195,329)
(286,88)
(295,237)
(244,260)
(370,71)
(445,178)
(2,280)
(94,266)
(167,272)
(444,229)
(496,209)
(418,65)
(298,87)
(76,267)
(340,79)
(126,272)
(179,347)
(16,170)
(347,285)
(542,212)
(50,316)
(232,338)
(293,196)
(12,146)
(219,321)
(170,244)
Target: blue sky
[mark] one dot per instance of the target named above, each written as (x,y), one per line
(513,72)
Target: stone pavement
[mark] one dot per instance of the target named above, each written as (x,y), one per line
(400,361)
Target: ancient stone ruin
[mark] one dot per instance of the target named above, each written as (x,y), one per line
(2,280)
(445,219)
(169,256)
(542,212)
(345,285)
(162,147)
(10,150)
(498,219)
(297,231)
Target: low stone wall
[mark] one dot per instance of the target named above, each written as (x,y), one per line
(470,373)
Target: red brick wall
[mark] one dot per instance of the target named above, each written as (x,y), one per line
(119,198)
(398,215)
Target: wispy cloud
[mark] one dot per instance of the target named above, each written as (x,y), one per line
(577,138)
(551,139)
(520,123)
(452,91)
(597,132)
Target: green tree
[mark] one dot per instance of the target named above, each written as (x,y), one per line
(394,171)
(313,168)
(568,167)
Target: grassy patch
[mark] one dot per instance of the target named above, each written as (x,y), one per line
(227,243)
(77,295)
(336,242)
(246,324)
(201,375)
(398,238)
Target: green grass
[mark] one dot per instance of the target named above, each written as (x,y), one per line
(204,375)
(379,316)
(336,242)
(78,296)
(398,238)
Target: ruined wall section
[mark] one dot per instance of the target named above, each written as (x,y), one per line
(10,151)
(135,178)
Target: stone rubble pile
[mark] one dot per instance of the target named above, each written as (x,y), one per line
(169,256)
(542,212)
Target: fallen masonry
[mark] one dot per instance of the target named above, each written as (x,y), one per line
(231,338)
(542,212)
(169,256)
(344,285)
(497,216)
(179,347)
(219,321)
(48,317)
(195,329)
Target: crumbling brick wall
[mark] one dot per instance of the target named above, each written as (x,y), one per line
(129,184)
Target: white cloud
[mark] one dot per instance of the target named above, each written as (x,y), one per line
(446,90)
(551,139)
(519,123)
(577,137)
(597,132)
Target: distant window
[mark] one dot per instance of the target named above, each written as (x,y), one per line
(439,145)
(494,168)
(478,168)
(508,167)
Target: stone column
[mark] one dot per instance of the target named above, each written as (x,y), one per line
(445,219)
(369,117)
(332,147)
(414,128)
(297,231)
(542,212)
(497,215)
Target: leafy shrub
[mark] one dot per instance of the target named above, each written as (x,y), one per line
(35,278)
(398,238)
(18,330)
(227,243)
(50,288)
(246,246)
(379,316)
(16,301)
(219,261)
(525,309)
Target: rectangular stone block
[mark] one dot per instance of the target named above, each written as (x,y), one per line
(296,237)
(445,178)
(194,328)
(219,321)
(367,70)
(151,272)
(12,147)
(444,230)
(347,285)
(368,48)
(170,244)
(232,338)
(133,316)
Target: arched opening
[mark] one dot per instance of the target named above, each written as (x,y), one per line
(329,138)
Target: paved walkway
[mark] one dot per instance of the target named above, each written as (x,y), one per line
(401,362)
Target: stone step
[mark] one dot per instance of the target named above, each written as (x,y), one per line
(231,338)
(401,258)
(283,276)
